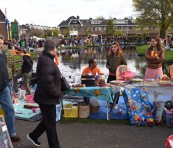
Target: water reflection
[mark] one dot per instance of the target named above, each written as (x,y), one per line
(73,61)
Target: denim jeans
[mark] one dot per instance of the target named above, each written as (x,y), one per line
(7,105)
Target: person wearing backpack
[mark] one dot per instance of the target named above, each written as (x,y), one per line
(26,71)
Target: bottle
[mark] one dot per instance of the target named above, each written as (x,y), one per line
(102,80)
(96,76)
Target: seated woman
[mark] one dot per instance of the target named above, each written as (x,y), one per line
(92,69)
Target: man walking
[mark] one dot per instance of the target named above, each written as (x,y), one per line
(47,94)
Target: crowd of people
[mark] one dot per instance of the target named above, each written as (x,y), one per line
(48,91)
(26,43)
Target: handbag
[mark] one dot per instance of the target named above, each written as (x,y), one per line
(64,84)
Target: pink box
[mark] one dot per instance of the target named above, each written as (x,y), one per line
(29,98)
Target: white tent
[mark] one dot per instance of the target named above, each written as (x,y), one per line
(37,38)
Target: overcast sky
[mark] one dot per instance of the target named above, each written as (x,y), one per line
(52,12)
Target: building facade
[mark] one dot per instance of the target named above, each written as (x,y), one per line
(127,26)
(3,25)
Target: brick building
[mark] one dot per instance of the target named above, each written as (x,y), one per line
(76,26)
(2,25)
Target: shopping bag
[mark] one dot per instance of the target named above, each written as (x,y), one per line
(64,84)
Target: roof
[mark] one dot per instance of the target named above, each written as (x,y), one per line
(2,16)
(93,22)
(24,27)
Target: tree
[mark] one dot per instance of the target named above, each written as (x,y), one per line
(36,32)
(100,18)
(15,21)
(47,33)
(154,13)
(110,29)
(55,32)
(118,33)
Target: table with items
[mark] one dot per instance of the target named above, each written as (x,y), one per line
(96,92)
(138,97)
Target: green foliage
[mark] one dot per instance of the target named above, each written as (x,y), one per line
(51,32)
(110,29)
(118,33)
(154,13)
(15,21)
(169,55)
(47,33)
(142,49)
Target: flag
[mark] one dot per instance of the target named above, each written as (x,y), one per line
(6,20)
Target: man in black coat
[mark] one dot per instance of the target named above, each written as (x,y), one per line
(47,94)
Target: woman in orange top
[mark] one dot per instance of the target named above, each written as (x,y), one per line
(92,69)
(154,57)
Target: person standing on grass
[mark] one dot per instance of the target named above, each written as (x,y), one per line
(26,71)
(47,94)
(5,94)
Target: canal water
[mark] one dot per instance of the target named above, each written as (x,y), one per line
(72,62)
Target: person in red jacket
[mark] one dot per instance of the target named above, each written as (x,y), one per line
(47,94)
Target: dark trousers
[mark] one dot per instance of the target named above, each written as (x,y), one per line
(47,124)
(111,78)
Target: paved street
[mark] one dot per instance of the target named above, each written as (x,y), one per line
(88,135)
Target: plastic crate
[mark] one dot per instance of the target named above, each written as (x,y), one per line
(2,111)
(168,117)
(71,111)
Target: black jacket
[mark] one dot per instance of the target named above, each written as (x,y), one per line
(48,89)
(4,79)
(27,64)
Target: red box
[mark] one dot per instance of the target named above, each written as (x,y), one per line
(30,98)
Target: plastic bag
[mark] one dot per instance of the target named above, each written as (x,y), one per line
(22,94)
(128,74)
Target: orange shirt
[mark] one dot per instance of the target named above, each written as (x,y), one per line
(87,70)
(56,59)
